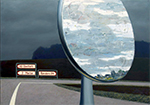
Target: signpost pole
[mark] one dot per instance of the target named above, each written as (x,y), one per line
(86,97)
(16,71)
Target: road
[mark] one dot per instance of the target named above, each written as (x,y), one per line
(44,92)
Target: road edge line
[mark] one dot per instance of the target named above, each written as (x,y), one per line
(13,98)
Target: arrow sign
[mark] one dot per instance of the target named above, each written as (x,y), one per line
(26,73)
(47,73)
(26,66)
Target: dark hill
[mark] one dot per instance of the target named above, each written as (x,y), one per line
(54,58)
(54,52)
(142,49)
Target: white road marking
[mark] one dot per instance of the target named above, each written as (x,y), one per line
(37,82)
(13,98)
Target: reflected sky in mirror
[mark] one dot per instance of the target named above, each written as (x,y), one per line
(99,36)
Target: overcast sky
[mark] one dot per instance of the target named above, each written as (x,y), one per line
(29,24)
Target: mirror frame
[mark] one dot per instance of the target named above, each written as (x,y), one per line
(66,50)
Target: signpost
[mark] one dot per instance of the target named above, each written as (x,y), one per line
(47,72)
(30,69)
(26,69)
(26,73)
(98,40)
(26,66)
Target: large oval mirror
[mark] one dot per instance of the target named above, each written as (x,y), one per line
(97,37)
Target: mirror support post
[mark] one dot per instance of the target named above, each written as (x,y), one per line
(86,97)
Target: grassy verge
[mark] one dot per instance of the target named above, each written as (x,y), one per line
(130,96)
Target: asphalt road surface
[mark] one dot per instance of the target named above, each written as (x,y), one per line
(44,92)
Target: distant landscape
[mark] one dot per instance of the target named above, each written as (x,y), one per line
(54,58)
(142,50)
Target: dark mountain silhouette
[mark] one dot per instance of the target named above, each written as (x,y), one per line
(142,49)
(54,58)
(55,51)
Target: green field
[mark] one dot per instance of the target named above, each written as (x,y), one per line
(130,93)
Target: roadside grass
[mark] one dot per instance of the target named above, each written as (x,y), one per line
(141,93)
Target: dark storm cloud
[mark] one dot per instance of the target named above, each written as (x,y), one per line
(29,17)
(26,25)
